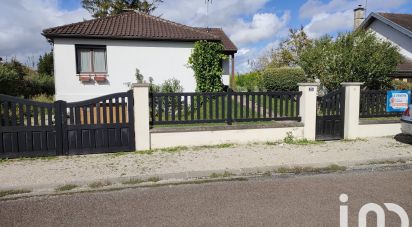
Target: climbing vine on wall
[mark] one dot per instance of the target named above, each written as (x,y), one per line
(206,62)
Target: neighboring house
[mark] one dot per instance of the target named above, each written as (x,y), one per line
(100,56)
(393,27)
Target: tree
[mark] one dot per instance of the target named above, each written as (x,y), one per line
(45,64)
(103,8)
(352,57)
(206,61)
(10,81)
(288,52)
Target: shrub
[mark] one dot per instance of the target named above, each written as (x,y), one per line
(43,98)
(250,81)
(282,79)
(401,85)
(154,88)
(39,84)
(10,81)
(171,86)
(352,57)
(45,64)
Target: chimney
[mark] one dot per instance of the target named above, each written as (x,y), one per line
(359,16)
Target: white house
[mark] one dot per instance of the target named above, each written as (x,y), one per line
(393,27)
(100,56)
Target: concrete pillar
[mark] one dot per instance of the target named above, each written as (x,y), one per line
(141,116)
(307,108)
(351,118)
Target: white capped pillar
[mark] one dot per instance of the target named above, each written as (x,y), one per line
(351,117)
(307,108)
(141,116)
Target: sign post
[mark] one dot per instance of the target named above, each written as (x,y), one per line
(397,100)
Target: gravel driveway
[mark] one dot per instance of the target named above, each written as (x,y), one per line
(63,170)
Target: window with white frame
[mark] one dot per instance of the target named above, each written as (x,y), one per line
(91,59)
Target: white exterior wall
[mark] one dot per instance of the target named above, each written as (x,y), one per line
(160,60)
(379,130)
(239,136)
(388,33)
(226,71)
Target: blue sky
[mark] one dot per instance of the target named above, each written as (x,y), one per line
(256,26)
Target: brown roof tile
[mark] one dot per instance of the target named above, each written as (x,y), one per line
(404,20)
(227,43)
(405,65)
(135,25)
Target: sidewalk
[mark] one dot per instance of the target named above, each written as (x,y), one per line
(183,163)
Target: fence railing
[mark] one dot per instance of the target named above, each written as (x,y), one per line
(373,104)
(29,128)
(192,108)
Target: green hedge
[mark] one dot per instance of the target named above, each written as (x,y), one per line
(14,84)
(250,81)
(283,79)
(10,81)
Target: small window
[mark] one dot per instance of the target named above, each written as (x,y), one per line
(91,59)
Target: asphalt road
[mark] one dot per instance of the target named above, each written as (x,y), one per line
(294,201)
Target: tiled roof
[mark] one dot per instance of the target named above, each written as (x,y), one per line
(404,20)
(227,43)
(135,25)
(406,65)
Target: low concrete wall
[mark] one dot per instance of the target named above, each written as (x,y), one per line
(378,130)
(168,138)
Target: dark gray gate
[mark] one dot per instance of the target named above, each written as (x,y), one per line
(330,115)
(29,129)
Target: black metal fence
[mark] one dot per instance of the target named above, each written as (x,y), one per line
(373,105)
(29,128)
(192,108)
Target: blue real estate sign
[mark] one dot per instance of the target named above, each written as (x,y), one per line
(397,101)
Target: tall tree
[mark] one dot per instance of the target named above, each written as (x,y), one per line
(45,64)
(103,8)
(287,54)
(352,57)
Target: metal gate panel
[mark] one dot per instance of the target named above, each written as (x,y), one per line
(27,128)
(330,116)
(30,129)
(99,125)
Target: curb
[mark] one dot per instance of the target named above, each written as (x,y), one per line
(191,176)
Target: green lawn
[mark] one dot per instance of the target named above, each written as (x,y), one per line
(216,108)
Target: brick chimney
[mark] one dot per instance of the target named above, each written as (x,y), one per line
(359,16)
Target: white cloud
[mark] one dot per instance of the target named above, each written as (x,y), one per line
(312,8)
(23,21)
(337,15)
(325,23)
(246,56)
(240,19)
(221,13)
(243,51)
(263,26)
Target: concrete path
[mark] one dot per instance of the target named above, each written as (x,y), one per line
(183,163)
(295,201)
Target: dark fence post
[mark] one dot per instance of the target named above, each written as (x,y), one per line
(60,117)
(130,112)
(229,107)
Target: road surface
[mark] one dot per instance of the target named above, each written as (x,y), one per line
(293,201)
